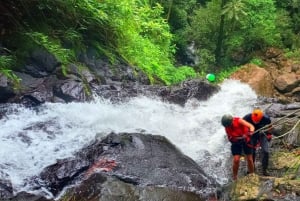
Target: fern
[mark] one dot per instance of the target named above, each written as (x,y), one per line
(65,56)
(6,62)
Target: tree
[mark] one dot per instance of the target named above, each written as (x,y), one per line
(220,36)
(232,10)
(223,28)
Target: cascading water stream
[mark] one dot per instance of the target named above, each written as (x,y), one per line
(34,139)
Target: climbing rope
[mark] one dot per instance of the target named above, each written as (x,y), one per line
(288,131)
(277,123)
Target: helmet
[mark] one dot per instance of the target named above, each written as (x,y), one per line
(257,115)
(226,120)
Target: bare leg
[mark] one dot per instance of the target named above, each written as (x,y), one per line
(235,166)
(250,163)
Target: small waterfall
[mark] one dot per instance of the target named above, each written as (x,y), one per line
(32,139)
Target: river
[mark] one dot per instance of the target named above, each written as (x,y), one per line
(32,139)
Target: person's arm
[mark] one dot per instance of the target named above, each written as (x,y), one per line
(247,124)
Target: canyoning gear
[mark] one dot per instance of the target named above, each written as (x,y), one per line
(269,137)
(226,120)
(260,138)
(257,115)
(247,138)
(236,131)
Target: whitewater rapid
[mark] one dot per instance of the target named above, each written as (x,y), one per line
(32,139)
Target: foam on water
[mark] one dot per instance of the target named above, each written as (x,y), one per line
(34,139)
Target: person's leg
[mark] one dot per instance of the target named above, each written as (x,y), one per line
(236,150)
(254,144)
(253,157)
(250,163)
(235,166)
(265,155)
(248,151)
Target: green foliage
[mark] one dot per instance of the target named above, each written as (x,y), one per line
(177,13)
(81,69)
(259,27)
(146,41)
(294,54)
(257,61)
(207,60)
(204,32)
(131,29)
(65,56)
(225,73)
(284,25)
(6,62)
(234,10)
(147,34)
(248,26)
(204,26)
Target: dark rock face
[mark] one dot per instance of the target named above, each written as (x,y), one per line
(164,164)
(6,90)
(42,81)
(132,158)
(40,64)
(198,89)
(101,187)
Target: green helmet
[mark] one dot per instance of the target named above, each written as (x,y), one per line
(226,120)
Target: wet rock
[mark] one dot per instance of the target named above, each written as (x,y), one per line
(6,90)
(101,187)
(179,94)
(6,189)
(40,64)
(71,90)
(61,174)
(24,196)
(136,159)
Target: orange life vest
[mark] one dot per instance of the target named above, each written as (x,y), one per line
(236,130)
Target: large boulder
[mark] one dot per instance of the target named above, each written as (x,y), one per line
(285,83)
(138,160)
(278,77)
(258,78)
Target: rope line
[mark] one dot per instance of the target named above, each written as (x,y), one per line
(267,127)
(276,137)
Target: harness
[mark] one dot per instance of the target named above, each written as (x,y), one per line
(236,131)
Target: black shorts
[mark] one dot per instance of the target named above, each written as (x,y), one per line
(240,148)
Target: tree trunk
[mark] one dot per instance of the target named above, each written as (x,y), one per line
(219,45)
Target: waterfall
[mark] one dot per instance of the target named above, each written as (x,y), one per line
(32,139)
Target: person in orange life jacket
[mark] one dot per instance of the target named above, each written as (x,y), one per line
(238,133)
(262,139)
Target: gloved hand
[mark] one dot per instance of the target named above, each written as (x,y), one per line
(269,137)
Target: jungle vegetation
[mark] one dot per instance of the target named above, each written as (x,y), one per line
(169,40)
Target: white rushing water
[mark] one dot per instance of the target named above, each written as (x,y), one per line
(32,140)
